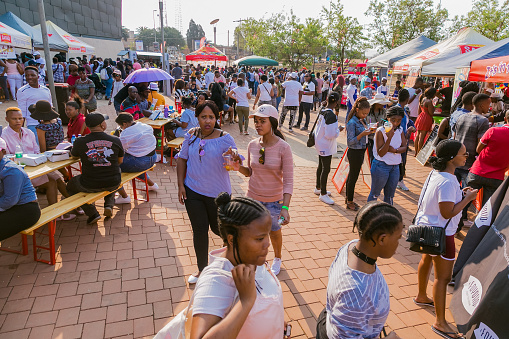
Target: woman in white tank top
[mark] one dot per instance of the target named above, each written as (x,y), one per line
(390,142)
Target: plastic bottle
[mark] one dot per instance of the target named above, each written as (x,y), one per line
(79,135)
(166,112)
(19,154)
(73,138)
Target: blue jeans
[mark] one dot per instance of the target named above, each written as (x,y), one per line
(384,177)
(108,84)
(133,164)
(255,87)
(278,101)
(275,211)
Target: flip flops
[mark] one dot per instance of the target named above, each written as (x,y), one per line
(444,334)
(430,304)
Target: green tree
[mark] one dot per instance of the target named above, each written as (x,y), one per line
(487,18)
(147,35)
(344,33)
(125,33)
(171,35)
(194,32)
(395,22)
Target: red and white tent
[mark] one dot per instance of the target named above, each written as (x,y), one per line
(57,36)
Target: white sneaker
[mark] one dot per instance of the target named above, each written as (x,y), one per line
(120,200)
(276,266)
(318,192)
(192,279)
(402,186)
(154,187)
(326,199)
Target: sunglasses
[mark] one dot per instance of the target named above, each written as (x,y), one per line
(201,150)
(261,160)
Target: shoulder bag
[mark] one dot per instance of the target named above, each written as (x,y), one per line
(311,135)
(424,238)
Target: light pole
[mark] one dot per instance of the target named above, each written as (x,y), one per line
(214,22)
(163,46)
(238,35)
(154,17)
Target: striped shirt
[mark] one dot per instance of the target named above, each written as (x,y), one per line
(357,303)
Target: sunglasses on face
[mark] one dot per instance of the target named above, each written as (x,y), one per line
(261,159)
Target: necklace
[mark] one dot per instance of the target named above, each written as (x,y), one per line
(363,257)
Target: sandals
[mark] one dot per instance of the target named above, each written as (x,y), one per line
(446,335)
(430,304)
(352,206)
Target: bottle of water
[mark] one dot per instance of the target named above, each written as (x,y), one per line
(19,154)
(79,135)
(73,138)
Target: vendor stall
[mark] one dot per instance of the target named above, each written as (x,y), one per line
(207,55)
(11,39)
(57,36)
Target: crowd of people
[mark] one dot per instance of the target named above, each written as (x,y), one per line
(237,293)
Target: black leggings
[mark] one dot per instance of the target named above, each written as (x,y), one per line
(322,173)
(202,212)
(18,218)
(355,159)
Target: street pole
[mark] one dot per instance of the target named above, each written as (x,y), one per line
(238,35)
(162,43)
(214,35)
(49,62)
(154,17)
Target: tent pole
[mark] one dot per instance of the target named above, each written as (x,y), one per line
(47,56)
(163,48)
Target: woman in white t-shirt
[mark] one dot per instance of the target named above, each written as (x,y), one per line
(264,94)
(236,295)
(242,95)
(389,144)
(440,204)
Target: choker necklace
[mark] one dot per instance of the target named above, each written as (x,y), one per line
(363,257)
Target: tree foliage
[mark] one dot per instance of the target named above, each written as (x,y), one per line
(171,35)
(487,18)
(125,33)
(344,34)
(194,32)
(395,22)
(285,38)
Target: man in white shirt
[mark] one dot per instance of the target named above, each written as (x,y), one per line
(209,78)
(351,93)
(308,93)
(30,94)
(292,89)
(383,88)
(415,94)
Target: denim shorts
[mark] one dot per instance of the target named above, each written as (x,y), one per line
(275,210)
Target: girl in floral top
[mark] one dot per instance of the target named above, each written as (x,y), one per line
(49,131)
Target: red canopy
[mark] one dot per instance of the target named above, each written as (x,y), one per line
(207,53)
(490,70)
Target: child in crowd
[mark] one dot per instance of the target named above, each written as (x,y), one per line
(49,130)
(187,120)
(118,84)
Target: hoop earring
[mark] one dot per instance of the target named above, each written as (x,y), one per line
(272,130)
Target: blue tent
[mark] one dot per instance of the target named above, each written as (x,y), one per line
(449,66)
(11,20)
(409,48)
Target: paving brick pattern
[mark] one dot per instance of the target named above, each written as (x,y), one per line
(126,277)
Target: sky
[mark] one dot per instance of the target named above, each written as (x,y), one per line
(135,15)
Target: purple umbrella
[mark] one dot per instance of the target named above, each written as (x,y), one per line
(147,75)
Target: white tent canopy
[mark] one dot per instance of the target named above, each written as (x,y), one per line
(409,48)
(464,41)
(11,37)
(448,67)
(57,36)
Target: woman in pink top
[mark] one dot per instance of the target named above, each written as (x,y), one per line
(14,72)
(270,168)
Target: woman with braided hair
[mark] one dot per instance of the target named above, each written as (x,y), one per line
(237,296)
(440,204)
(358,299)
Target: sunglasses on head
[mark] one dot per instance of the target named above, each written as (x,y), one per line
(261,159)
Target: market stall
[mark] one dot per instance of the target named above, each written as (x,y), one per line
(10,39)
(19,25)
(207,55)
(72,45)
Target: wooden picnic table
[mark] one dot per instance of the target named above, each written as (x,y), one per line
(48,167)
(158,124)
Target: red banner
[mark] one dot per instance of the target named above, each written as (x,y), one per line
(468,48)
(5,38)
(490,70)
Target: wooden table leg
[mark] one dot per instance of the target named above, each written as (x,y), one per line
(162,144)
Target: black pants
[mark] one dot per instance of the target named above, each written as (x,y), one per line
(18,218)
(202,212)
(322,173)
(233,103)
(74,186)
(355,159)
(305,107)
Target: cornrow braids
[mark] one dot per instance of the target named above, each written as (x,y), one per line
(374,218)
(233,214)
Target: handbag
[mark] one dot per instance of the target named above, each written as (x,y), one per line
(424,238)
(311,135)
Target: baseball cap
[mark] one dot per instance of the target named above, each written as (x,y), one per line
(94,119)
(154,86)
(36,53)
(265,111)
(3,145)
(294,75)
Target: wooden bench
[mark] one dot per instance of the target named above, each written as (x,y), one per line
(174,144)
(50,214)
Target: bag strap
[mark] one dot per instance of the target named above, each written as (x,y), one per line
(420,200)
(314,125)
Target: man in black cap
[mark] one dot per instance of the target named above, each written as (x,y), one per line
(100,154)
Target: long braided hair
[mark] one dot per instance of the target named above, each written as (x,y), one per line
(376,217)
(234,214)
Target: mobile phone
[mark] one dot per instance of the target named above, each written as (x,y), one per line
(288,330)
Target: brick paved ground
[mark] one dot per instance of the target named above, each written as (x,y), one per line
(126,277)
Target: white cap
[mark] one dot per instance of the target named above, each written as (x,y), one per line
(266,111)
(3,145)
(294,75)
(154,86)
(36,53)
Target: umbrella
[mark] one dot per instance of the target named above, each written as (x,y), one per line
(147,75)
(255,60)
